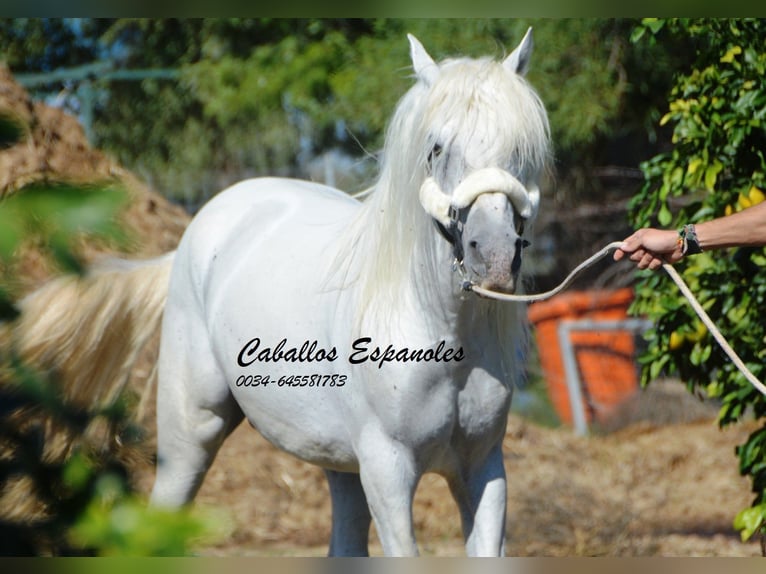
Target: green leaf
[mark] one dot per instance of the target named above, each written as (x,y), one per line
(749,454)
(125,526)
(699,354)
(57,214)
(654,24)
(665,217)
(637,34)
(655,368)
(711,174)
(694,164)
(77,471)
(731,53)
(750,520)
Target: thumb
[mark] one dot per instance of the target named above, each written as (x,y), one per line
(631,243)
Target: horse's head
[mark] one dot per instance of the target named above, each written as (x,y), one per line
(485,138)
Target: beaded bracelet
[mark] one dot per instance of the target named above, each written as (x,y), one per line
(687,240)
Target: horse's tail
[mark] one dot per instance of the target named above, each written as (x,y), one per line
(88,331)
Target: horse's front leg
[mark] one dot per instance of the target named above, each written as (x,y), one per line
(389,477)
(480,493)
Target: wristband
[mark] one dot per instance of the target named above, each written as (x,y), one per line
(687,239)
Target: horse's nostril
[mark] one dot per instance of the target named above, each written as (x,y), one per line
(516,263)
(473,245)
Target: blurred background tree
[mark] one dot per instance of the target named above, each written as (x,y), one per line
(310,98)
(271,95)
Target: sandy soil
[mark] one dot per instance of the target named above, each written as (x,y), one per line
(647,489)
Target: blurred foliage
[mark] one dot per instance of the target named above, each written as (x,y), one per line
(81,502)
(86,504)
(44,44)
(11,130)
(716,165)
(54,215)
(265,96)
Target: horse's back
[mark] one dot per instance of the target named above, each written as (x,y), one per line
(262,223)
(252,208)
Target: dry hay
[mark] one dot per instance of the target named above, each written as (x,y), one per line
(54,149)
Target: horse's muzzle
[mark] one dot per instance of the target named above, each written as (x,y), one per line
(491,244)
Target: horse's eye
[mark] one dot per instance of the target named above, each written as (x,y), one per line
(433,154)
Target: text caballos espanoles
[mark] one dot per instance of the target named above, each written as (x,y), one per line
(361,351)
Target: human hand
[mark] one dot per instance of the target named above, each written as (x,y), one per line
(649,248)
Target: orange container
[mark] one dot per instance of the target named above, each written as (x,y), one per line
(606,360)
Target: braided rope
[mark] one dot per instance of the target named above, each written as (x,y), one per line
(673,275)
(713,329)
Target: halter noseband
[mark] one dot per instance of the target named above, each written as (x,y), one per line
(450,212)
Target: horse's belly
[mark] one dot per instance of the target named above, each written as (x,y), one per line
(277,325)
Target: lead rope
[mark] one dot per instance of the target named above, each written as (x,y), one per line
(468,286)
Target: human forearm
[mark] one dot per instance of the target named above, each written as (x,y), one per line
(746,228)
(649,248)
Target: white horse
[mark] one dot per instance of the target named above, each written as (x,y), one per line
(339,329)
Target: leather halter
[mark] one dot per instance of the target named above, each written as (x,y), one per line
(454,232)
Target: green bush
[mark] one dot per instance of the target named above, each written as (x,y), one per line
(716,165)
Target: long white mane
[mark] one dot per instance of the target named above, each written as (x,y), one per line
(476,104)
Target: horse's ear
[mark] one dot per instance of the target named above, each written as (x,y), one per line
(423,64)
(518,61)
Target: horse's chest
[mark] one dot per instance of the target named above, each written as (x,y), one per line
(482,409)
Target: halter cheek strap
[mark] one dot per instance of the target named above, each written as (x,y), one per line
(453,232)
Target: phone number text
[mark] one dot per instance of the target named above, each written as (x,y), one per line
(314,380)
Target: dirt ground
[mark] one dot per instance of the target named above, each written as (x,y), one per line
(662,485)
(647,489)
